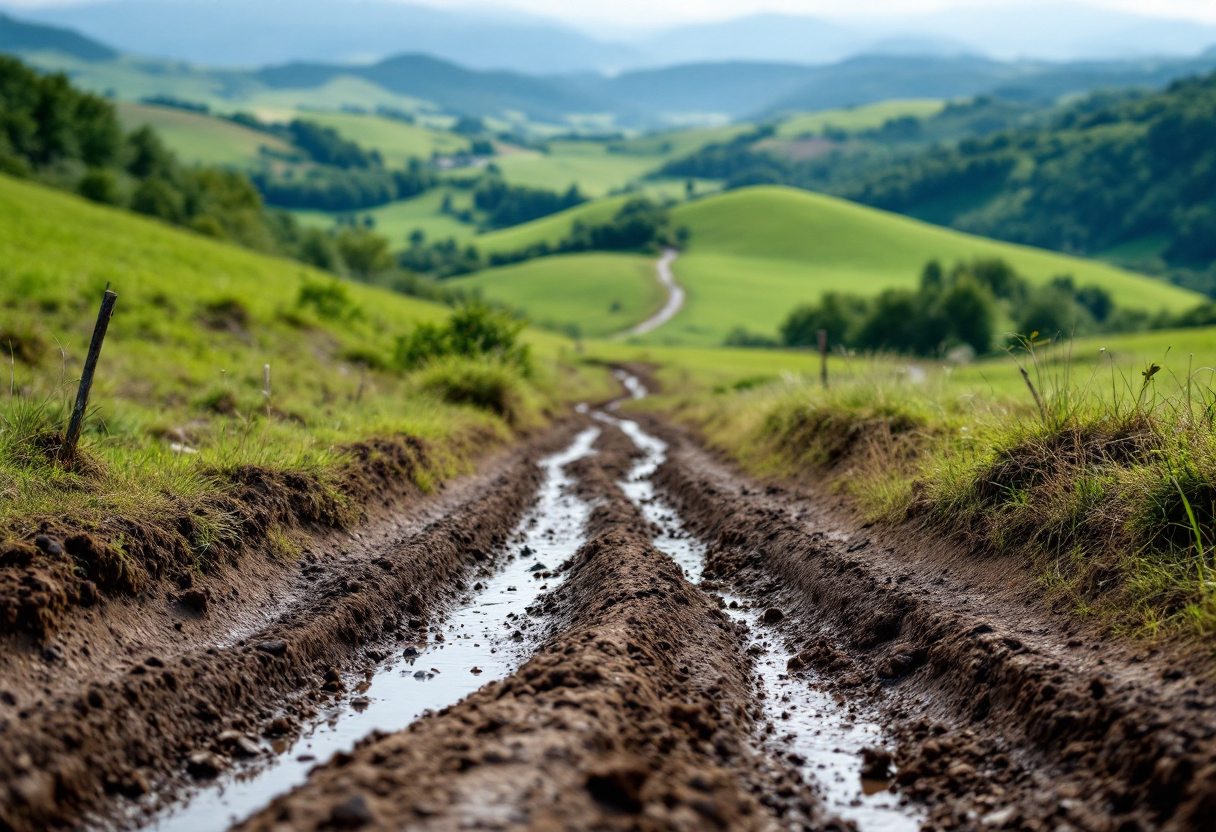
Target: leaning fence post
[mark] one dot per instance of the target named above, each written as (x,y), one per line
(823,357)
(68,452)
(266,386)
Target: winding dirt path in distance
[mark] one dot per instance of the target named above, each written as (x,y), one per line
(675,296)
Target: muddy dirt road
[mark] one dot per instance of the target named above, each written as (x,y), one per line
(607,628)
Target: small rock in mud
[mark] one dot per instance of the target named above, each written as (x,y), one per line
(237,745)
(87,593)
(360,703)
(352,813)
(538,567)
(274,648)
(619,784)
(204,765)
(772,615)
(195,600)
(875,764)
(279,727)
(48,545)
(476,671)
(901,661)
(410,652)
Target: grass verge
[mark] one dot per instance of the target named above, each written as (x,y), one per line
(1102,479)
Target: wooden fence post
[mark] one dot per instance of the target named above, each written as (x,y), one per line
(68,452)
(823,357)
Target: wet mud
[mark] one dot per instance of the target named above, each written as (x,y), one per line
(609,628)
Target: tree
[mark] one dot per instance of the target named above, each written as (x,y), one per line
(364,252)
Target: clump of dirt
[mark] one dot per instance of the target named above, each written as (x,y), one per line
(23,344)
(225,315)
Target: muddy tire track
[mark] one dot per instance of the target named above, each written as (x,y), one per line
(635,714)
(160,720)
(1002,721)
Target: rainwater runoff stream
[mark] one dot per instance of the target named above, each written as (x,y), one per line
(490,634)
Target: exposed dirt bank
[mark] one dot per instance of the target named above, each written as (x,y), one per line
(1008,715)
(141,693)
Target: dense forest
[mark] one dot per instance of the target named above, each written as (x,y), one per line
(1129,172)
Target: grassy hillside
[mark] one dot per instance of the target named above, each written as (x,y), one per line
(757,252)
(550,229)
(397,141)
(854,119)
(179,401)
(601,294)
(199,139)
(398,219)
(590,165)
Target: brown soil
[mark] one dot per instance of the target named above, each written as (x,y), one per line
(50,567)
(119,703)
(633,716)
(1007,712)
(639,709)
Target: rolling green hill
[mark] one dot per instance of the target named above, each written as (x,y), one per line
(397,141)
(755,253)
(594,294)
(853,119)
(199,139)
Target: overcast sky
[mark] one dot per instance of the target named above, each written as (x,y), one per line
(652,12)
(647,13)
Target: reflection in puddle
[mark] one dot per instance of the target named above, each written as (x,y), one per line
(809,726)
(487,638)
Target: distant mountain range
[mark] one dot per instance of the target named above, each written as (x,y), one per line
(638,98)
(248,33)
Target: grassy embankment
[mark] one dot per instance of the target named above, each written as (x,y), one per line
(199,139)
(185,460)
(1105,491)
(756,253)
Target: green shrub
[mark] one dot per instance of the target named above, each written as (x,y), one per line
(473,330)
(483,383)
(329,300)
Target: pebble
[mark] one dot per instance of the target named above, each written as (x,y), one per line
(274,648)
(352,813)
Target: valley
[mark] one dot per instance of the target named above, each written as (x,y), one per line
(490,424)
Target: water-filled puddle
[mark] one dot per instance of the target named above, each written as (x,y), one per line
(488,637)
(810,726)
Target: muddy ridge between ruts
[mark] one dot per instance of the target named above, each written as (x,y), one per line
(146,726)
(996,729)
(633,715)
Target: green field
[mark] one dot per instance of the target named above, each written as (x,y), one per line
(397,141)
(590,165)
(602,294)
(757,252)
(853,119)
(398,219)
(199,139)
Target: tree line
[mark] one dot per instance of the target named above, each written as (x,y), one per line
(972,306)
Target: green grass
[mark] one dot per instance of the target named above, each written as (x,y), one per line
(757,252)
(593,294)
(397,141)
(196,323)
(199,139)
(590,165)
(674,143)
(854,119)
(398,219)
(1105,495)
